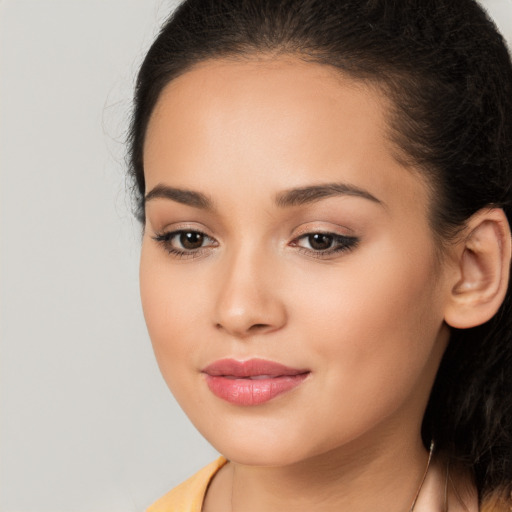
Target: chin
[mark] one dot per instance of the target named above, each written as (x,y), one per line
(263,456)
(260,444)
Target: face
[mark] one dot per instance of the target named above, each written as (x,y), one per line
(289,277)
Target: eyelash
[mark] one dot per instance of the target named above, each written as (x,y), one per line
(165,239)
(341,243)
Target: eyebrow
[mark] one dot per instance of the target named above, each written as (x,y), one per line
(187,197)
(288,198)
(311,194)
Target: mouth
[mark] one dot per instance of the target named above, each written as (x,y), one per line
(251,382)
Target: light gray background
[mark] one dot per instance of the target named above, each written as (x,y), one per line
(87,423)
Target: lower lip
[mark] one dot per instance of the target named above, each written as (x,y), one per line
(252,391)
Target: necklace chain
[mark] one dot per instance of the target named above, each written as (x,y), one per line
(411,509)
(430,453)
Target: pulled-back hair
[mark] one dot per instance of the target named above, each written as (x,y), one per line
(448,73)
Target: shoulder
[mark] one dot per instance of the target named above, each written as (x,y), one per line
(189,496)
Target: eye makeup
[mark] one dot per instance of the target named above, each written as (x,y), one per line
(185,243)
(190,243)
(320,244)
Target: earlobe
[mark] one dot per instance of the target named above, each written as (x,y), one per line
(482,270)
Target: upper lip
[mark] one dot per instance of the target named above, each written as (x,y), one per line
(250,368)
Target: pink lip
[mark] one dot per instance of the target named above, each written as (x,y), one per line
(251,382)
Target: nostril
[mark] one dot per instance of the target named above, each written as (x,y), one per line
(258,327)
(244,331)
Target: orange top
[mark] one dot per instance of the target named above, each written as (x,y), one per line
(189,496)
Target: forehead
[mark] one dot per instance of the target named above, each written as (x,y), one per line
(284,120)
(219,93)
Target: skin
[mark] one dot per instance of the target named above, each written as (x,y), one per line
(367,322)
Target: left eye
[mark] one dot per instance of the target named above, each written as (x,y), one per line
(318,241)
(325,242)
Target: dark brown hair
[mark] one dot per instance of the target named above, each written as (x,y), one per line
(448,73)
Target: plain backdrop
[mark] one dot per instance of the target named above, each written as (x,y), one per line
(86,422)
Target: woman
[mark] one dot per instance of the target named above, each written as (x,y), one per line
(325,187)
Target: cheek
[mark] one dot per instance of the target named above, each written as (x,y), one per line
(170,303)
(379,319)
(373,334)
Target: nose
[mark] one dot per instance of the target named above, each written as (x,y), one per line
(248,301)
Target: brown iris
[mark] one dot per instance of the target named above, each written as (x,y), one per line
(320,241)
(191,240)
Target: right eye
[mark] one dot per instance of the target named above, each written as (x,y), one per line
(185,242)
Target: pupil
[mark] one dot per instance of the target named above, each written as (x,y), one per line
(320,242)
(191,240)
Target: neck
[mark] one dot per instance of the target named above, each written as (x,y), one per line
(383,478)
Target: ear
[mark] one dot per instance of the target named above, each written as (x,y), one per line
(481,272)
